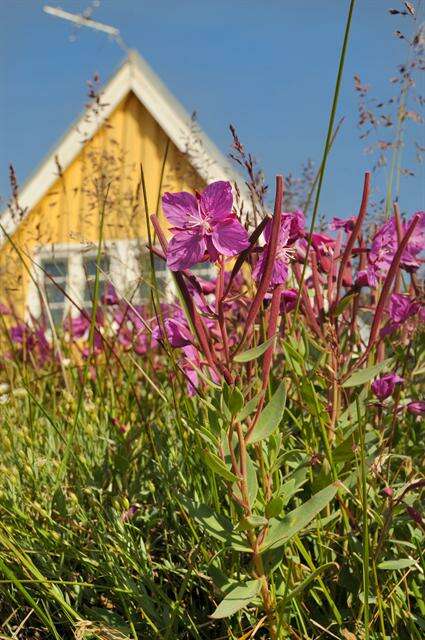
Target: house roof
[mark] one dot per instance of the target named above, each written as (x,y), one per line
(134,75)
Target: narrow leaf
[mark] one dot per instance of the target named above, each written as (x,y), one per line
(364,375)
(271,415)
(402,563)
(255,352)
(217,465)
(283,530)
(249,408)
(237,599)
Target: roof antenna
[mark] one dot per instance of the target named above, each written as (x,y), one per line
(84,20)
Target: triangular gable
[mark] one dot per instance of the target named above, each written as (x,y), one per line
(133,75)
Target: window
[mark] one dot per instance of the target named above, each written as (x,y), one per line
(146,282)
(55,286)
(89,268)
(125,264)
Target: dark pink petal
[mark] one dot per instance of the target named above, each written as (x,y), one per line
(178,207)
(217,200)
(279,273)
(384,386)
(185,249)
(211,250)
(416,408)
(229,237)
(291,226)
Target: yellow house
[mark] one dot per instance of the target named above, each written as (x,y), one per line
(132,122)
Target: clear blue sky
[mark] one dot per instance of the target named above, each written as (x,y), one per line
(268,67)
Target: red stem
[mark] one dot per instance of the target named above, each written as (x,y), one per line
(270,258)
(354,234)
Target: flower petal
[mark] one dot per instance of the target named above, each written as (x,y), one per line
(217,200)
(212,251)
(229,237)
(185,249)
(178,206)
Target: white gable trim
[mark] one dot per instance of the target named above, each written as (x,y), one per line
(133,75)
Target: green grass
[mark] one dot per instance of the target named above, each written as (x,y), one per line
(69,565)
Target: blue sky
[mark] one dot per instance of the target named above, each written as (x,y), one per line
(267,67)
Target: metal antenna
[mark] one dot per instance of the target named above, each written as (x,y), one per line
(84,20)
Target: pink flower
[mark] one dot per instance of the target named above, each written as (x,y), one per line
(110,297)
(289,300)
(290,225)
(416,408)
(384,386)
(78,326)
(401,308)
(341,223)
(204,223)
(177,331)
(190,364)
(384,247)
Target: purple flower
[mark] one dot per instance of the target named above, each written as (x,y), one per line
(177,331)
(288,227)
(384,247)
(340,223)
(78,326)
(401,308)
(204,223)
(416,408)
(190,364)
(289,300)
(19,334)
(384,386)
(129,513)
(110,296)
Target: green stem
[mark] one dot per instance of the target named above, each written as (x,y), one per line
(327,145)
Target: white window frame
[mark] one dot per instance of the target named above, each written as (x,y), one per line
(124,271)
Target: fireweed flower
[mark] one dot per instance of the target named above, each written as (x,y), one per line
(290,230)
(384,386)
(384,247)
(416,408)
(340,223)
(289,300)
(176,328)
(78,326)
(177,331)
(401,308)
(110,296)
(204,223)
(190,363)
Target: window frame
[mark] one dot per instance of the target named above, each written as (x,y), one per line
(124,272)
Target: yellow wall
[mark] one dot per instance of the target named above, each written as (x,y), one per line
(69,211)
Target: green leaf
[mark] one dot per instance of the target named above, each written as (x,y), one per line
(402,563)
(238,598)
(217,526)
(217,465)
(251,481)
(343,303)
(283,530)
(274,507)
(235,401)
(364,375)
(249,408)
(256,352)
(251,522)
(271,415)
